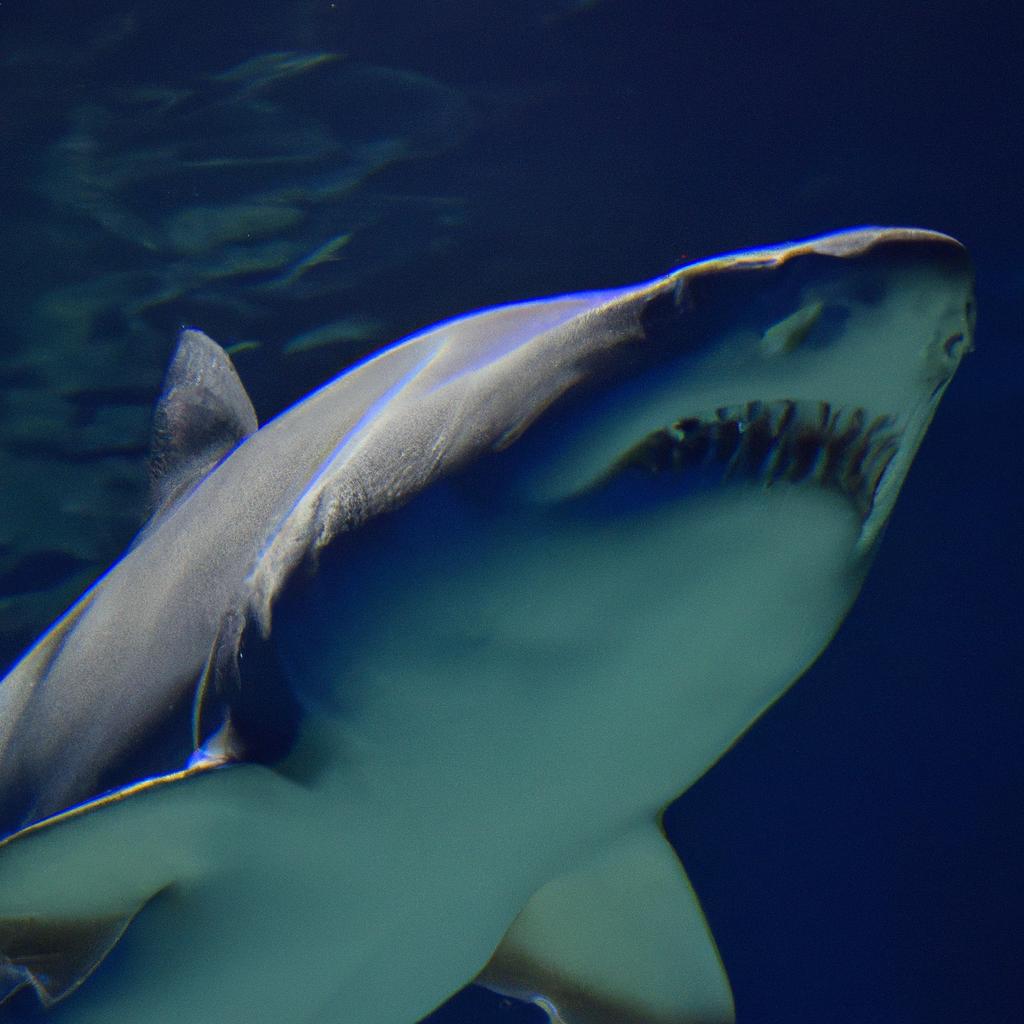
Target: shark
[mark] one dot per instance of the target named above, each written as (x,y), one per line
(390,693)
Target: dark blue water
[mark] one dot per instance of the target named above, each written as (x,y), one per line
(859,854)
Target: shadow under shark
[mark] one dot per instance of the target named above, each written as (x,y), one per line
(531,573)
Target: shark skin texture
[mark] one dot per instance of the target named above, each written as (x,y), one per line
(390,694)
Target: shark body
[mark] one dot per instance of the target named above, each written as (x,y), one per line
(563,554)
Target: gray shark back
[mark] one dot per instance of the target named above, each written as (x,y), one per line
(87,708)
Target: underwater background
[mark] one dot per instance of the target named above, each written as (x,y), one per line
(307,181)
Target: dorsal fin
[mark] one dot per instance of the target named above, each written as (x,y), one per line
(203,413)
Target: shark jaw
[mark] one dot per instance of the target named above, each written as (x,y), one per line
(830,378)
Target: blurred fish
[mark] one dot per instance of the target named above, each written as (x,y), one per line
(238,347)
(360,329)
(321,254)
(198,229)
(265,68)
(561,554)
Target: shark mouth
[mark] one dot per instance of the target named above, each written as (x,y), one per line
(795,441)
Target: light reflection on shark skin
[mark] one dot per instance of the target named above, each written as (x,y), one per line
(562,555)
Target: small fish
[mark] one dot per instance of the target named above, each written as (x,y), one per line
(359,329)
(198,229)
(266,68)
(237,347)
(321,254)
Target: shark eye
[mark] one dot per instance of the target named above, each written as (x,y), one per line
(953,346)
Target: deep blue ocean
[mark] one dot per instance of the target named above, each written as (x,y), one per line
(859,855)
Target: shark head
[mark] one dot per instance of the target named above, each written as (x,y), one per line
(817,365)
(685,513)
(562,553)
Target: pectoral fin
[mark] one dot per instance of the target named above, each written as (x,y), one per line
(619,941)
(71,885)
(54,956)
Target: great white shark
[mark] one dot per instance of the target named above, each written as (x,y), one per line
(390,694)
